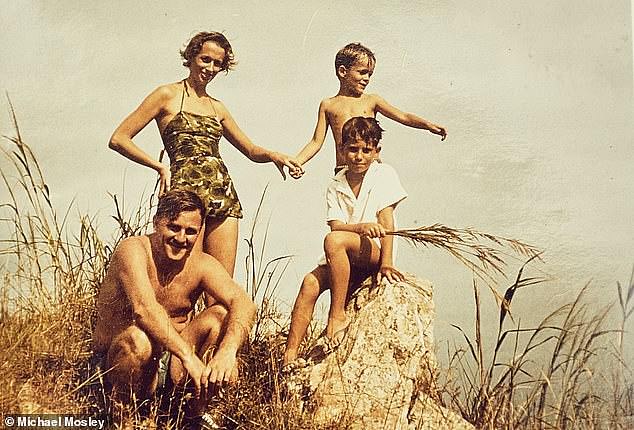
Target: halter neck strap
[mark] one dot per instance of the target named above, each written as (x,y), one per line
(183,95)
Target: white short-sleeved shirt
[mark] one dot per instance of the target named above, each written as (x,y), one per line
(380,188)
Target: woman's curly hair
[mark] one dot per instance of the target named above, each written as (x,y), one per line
(196,43)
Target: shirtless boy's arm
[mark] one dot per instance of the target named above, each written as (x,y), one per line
(129,263)
(319,135)
(241,313)
(405,118)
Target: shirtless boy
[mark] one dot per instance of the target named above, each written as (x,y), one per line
(354,65)
(146,303)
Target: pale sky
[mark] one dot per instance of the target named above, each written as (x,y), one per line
(536,97)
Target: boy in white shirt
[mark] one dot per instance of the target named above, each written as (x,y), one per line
(361,200)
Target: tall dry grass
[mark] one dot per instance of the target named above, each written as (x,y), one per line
(48,287)
(563,373)
(52,267)
(549,376)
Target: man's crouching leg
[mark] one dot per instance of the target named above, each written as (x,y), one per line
(132,364)
(204,333)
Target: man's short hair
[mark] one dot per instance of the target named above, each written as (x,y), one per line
(359,127)
(172,203)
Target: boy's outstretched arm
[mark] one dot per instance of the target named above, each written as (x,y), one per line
(319,135)
(408,119)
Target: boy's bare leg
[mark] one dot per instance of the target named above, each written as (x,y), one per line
(344,250)
(313,285)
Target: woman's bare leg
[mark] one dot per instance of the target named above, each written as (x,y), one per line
(221,241)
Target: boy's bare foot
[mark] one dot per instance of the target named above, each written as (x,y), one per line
(336,328)
(292,366)
(290,355)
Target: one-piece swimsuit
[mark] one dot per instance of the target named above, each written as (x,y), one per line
(191,142)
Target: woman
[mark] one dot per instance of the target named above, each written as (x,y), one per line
(191,123)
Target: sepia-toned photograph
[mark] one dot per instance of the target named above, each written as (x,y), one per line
(317,215)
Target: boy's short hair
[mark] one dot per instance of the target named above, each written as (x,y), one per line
(174,202)
(365,129)
(351,53)
(196,43)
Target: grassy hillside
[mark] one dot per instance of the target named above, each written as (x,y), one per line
(566,372)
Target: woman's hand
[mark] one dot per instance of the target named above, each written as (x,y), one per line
(392,274)
(280,160)
(165,178)
(296,173)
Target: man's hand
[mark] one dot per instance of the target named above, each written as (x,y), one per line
(222,368)
(197,372)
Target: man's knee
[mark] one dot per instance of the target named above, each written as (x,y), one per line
(130,350)
(206,326)
(213,317)
(131,364)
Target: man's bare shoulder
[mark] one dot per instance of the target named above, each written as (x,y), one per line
(135,246)
(202,263)
(205,269)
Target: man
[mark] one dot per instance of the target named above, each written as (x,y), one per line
(146,307)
